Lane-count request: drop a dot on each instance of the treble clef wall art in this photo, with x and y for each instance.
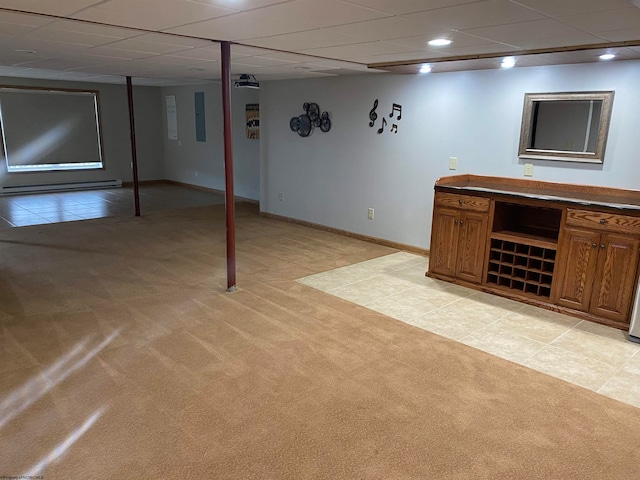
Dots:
(372, 114)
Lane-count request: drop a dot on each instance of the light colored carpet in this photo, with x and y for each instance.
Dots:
(123, 357)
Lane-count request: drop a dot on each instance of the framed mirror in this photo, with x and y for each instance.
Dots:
(569, 126)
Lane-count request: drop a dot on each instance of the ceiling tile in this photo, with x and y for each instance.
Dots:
(522, 34)
(57, 63)
(256, 23)
(52, 7)
(206, 54)
(93, 29)
(475, 15)
(555, 8)
(459, 39)
(621, 35)
(317, 38)
(110, 52)
(623, 19)
(260, 61)
(480, 49)
(359, 50)
(326, 13)
(23, 19)
(241, 5)
(152, 14)
(399, 7)
(384, 29)
(74, 38)
(142, 45)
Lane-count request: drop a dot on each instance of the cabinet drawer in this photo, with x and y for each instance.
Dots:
(609, 222)
(462, 202)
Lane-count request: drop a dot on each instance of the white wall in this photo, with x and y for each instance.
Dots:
(115, 134)
(332, 178)
(202, 163)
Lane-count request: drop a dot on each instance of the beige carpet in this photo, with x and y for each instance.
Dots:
(122, 357)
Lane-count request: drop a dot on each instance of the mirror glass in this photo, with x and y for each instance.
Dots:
(569, 126)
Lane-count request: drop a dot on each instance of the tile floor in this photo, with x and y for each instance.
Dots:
(37, 209)
(593, 356)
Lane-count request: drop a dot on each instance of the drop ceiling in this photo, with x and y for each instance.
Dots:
(167, 42)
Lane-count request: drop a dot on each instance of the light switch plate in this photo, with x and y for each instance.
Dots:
(453, 163)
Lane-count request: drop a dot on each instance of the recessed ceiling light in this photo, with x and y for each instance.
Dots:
(607, 56)
(508, 62)
(440, 42)
(425, 68)
(30, 52)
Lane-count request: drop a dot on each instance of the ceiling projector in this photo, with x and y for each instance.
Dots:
(246, 81)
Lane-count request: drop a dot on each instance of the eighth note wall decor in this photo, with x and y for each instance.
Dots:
(373, 116)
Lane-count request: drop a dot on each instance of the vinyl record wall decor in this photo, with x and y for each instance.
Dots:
(311, 118)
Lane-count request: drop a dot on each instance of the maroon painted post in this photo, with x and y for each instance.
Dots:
(134, 156)
(225, 48)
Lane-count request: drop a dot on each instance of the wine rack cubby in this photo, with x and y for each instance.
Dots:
(520, 266)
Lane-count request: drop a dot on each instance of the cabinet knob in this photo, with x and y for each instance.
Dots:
(455, 221)
(461, 222)
(460, 202)
(594, 245)
(603, 221)
(602, 245)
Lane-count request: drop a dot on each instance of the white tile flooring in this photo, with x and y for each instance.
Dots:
(593, 356)
(38, 209)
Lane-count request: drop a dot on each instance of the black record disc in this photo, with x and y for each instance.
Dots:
(325, 124)
(313, 111)
(304, 125)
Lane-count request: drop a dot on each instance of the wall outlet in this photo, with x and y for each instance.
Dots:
(370, 214)
(453, 163)
(281, 197)
(528, 169)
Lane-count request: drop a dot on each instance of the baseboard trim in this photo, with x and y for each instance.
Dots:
(191, 186)
(346, 233)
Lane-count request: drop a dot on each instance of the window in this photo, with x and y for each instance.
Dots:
(48, 129)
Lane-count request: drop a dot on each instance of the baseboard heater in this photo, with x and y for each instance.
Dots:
(59, 187)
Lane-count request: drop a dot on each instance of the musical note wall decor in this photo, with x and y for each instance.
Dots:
(373, 116)
(304, 124)
(381, 129)
(396, 109)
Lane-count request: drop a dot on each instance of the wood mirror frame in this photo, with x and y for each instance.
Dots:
(594, 126)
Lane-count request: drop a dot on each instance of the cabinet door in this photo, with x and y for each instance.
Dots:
(614, 276)
(444, 241)
(576, 268)
(471, 246)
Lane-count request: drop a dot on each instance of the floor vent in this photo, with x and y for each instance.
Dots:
(59, 187)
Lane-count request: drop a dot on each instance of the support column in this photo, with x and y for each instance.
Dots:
(225, 48)
(134, 156)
